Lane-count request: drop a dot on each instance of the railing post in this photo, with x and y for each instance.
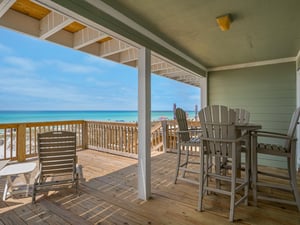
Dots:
(85, 135)
(165, 134)
(21, 142)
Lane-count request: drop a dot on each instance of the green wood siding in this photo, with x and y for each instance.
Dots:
(267, 92)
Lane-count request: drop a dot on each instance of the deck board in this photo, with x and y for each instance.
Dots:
(108, 195)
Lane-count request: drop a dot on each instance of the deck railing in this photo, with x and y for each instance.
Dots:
(113, 137)
(18, 141)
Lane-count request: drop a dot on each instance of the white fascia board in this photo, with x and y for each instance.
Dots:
(253, 64)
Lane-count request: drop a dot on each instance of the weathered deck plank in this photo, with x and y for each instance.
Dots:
(109, 196)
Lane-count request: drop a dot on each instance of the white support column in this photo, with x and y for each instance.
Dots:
(203, 86)
(144, 123)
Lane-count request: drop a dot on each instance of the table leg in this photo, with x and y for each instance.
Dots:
(27, 179)
(8, 185)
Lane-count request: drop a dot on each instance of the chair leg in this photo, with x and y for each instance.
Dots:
(293, 182)
(233, 184)
(33, 193)
(247, 173)
(178, 162)
(201, 179)
(218, 170)
(187, 154)
(77, 183)
(254, 168)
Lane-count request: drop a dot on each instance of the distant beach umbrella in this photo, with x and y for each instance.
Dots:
(174, 111)
(196, 112)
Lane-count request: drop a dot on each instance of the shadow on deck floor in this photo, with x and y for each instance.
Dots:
(109, 196)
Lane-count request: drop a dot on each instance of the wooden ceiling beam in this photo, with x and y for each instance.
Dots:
(53, 23)
(163, 66)
(170, 70)
(129, 55)
(5, 6)
(113, 46)
(87, 36)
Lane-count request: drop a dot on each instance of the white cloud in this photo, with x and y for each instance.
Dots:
(100, 83)
(21, 63)
(72, 67)
(5, 49)
(100, 61)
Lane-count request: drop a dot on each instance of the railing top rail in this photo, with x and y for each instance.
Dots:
(127, 124)
(46, 123)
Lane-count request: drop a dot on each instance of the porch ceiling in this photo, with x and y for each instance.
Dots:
(261, 30)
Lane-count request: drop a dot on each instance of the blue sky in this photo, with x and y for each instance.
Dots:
(39, 75)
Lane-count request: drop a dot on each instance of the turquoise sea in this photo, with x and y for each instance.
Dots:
(113, 116)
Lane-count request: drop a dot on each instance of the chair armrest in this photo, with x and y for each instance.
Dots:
(37, 176)
(223, 140)
(188, 131)
(271, 135)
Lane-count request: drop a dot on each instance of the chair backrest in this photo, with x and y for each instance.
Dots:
(218, 128)
(242, 116)
(57, 153)
(292, 128)
(182, 124)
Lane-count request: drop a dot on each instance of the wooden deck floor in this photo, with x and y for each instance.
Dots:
(109, 196)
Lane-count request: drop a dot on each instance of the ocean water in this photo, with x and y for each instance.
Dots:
(113, 116)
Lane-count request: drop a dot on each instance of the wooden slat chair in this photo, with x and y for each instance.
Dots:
(186, 140)
(287, 151)
(242, 117)
(220, 139)
(57, 161)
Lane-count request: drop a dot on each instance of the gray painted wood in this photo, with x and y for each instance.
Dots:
(267, 92)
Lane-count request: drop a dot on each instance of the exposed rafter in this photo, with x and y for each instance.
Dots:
(5, 6)
(87, 36)
(129, 55)
(53, 23)
(162, 66)
(113, 46)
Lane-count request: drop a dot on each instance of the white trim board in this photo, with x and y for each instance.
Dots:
(252, 64)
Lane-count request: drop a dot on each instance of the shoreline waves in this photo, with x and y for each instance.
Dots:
(110, 116)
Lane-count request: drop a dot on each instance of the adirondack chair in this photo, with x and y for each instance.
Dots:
(186, 140)
(288, 152)
(57, 161)
(242, 116)
(220, 139)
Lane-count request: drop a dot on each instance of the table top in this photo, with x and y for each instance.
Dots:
(17, 168)
(3, 163)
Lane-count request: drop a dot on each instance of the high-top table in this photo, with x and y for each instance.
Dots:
(247, 128)
(15, 169)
